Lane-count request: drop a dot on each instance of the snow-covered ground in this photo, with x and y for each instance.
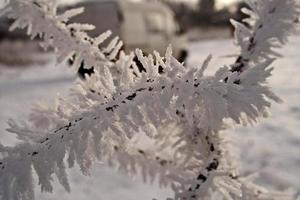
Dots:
(271, 148)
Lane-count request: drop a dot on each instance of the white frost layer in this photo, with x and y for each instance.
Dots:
(19, 89)
(272, 148)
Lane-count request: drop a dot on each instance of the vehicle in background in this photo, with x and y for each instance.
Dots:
(148, 26)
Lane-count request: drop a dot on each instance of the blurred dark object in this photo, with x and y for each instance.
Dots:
(207, 10)
(205, 16)
(209, 15)
(18, 34)
(183, 14)
(83, 72)
(103, 15)
(21, 53)
(16, 48)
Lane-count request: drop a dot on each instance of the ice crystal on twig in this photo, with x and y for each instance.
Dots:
(177, 111)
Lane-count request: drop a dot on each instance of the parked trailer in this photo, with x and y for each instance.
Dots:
(146, 25)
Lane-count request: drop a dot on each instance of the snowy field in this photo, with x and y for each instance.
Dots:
(271, 148)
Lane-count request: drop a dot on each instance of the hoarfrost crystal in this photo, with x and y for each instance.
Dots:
(180, 112)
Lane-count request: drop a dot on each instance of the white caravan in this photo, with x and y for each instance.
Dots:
(145, 25)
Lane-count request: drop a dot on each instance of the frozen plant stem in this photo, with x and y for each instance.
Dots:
(177, 109)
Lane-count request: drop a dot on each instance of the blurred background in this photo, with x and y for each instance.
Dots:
(149, 25)
(195, 28)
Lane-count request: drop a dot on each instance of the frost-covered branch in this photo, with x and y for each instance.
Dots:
(179, 111)
(41, 19)
(268, 28)
(81, 138)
